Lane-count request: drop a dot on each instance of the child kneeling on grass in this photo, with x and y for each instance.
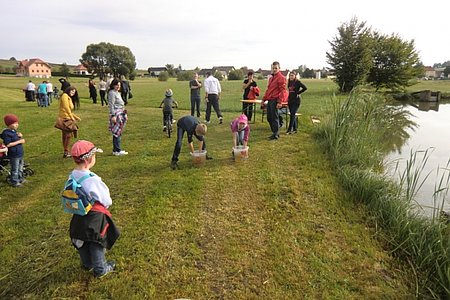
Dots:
(240, 130)
(91, 234)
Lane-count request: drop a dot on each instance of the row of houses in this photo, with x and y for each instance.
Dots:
(223, 70)
(36, 67)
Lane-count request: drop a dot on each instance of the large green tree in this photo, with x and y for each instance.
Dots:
(350, 54)
(104, 58)
(395, 62)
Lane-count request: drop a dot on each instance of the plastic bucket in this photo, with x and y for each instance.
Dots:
(198, 157)
(240, 153)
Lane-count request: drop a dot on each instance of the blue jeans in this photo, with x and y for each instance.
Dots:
(16, 170)
(43, 100)
(239, 138)
(116, 144)
(92, 256)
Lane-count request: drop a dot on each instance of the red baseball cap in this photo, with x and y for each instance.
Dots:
(10, 119)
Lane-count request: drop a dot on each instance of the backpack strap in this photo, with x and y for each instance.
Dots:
(77, 183)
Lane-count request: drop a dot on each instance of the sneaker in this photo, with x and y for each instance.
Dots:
(110, 266)
(120, 153)
(220, 120)
(67, 155)
(174, 165)
(17, 185)
(207, 122)
(273, 137)
(289, 132)
(164, 128)
(208, 157)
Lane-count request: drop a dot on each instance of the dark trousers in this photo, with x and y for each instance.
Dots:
(247, 109)
(213, 100)
(273, 117)
(102, 97)
(177, 150)
(167, 115)
(293, 108)
(124, 96)
(195, 106)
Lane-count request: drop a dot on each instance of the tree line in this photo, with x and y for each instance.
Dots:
(360, 55)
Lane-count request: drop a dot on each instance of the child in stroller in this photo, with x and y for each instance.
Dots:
(4, 162)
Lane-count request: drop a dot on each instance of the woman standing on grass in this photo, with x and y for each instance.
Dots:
(117, 116)
(295, 87)
(67, 119)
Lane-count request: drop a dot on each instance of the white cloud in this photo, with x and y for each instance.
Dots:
(206, 33)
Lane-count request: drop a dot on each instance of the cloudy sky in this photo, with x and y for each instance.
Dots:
(211, 33)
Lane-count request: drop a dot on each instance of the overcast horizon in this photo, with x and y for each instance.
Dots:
(205, 34)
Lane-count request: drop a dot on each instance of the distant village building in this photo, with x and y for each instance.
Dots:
(202, 72)
(81, 70)
(224, 70)
(155, 71)
(34, 67)
(430, 72)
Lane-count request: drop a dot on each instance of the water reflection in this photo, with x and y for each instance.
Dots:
(432, 133)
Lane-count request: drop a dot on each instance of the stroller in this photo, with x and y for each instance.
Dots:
(4, 162)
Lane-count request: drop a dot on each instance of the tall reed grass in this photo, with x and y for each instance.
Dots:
(356, 136)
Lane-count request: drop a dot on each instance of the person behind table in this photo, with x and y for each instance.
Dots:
(117, 117)
(192, 127)
(168, 103)
(247, 86)
(274, 96)
(240, 130)
(91, 234)
(295, 88)
(13, 140)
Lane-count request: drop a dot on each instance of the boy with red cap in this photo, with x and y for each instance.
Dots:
(13, 140)
(92, 233)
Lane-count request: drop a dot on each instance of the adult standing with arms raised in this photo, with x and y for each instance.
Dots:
(248, 84)
(67, 119)
(212, 90)
(195, 86)
(117, 116)
(295, 87)
(274, 96)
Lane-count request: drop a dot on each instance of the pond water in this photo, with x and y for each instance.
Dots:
(432, 133)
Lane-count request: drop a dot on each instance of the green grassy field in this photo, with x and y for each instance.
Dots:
(277, 226)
